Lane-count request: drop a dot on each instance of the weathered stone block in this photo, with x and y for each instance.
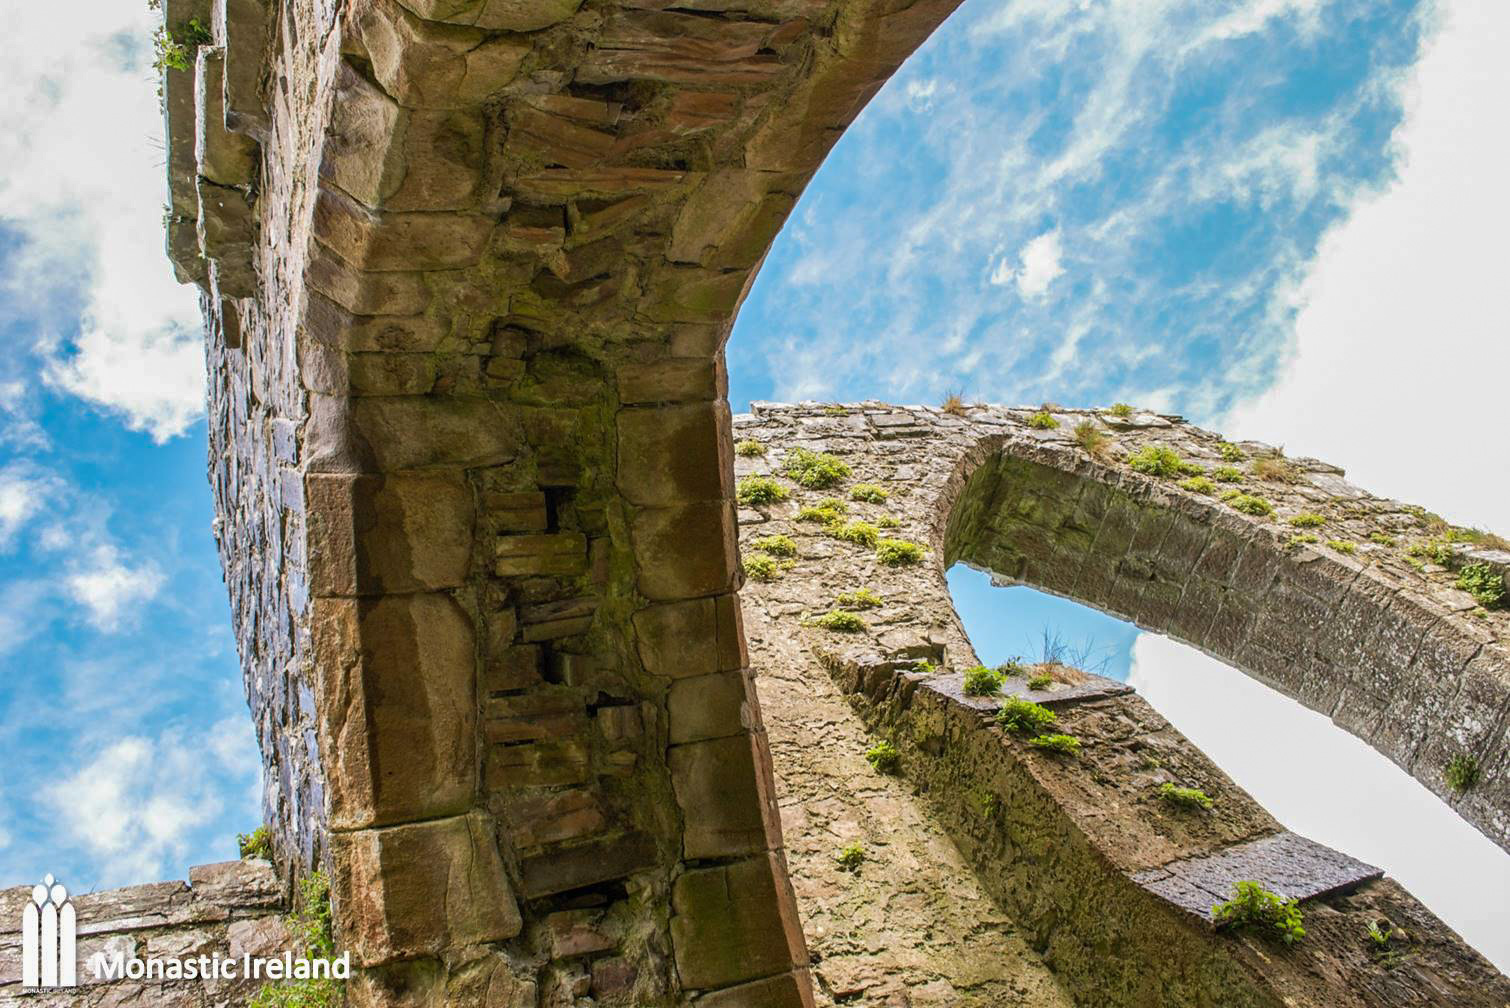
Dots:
(710, 706)
(554, 553)
(415, 890)
(225, 158)
(675, 380)
(404, 532)
(560, 869)
(679, 638)
(380, 241)
(722, 803)
(675, 454)
(789, 990)
(425, 64)
(685, 551)
(733, 923)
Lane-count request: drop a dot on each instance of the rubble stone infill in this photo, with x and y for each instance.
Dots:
(1109, 884)
(233, 909)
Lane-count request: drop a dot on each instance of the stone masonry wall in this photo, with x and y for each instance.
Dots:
(1109, 885)
(230, 909)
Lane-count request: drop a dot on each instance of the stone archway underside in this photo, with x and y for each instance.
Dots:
(468, 268)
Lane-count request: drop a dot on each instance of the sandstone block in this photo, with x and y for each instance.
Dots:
(716, 784)
(676, 380)
(675, 454)
(685, 551)
(710, 706)
(225, 158)
(730, 924)
(556, 553)
(679, 638)
(371, 535)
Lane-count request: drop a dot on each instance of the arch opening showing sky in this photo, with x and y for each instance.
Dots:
(1315, 778)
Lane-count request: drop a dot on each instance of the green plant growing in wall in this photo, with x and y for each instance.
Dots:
(749, 448)
(1381, 538)
(1484, 583)
(256, 844)
(869, 493)
(1343, 546)
(1025, 716)
(1090, 436)
(814, 470)
(1303, 539)
(761, 566)
(1230, 452)
(1040, 681)
(1275, 469)
(311, 927)
(173, 48)
(1043, 420)
(1227, 474)
(860, 598)
(1012, 667)
(898, 552)
(1249, 504)
(834, 409)
(1307, 519)
(861, 533)
(839, 621)
(776, 545)
(925, 667)
(1437, 549)
(1254, 907)
(1058, 743)
(827, 511)
(1461, 773)
(851, 856)
(1121, 409)
(884, 758)
(982, 681)
(1198, 484)
(1379, 932)
(1185, 797)
(756, 490)
(888, 522)
(986, 802)
(1161, 460)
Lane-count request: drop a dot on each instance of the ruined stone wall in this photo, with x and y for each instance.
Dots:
(229, 909)
(1108, 884)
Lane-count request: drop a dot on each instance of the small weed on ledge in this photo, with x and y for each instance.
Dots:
(761, 566)
(834, 409)
(1231, 453)
(1302, 539)
(1253, 906)
(925, 667)
(1275, 469)
(1058, 743)
(898, 552)
(1043, 420)
(1307, 519)
(1025, 716)
(888, 522)
(1381, 538)
(982, 681)
(256, 844)
(839, 621)
(953, 404)
(869, 493)
(1091, 437)
(1198, 484)
(1484, 583)
(1121, 409)
(1342, 546)
(1462, 773)
(828, 511)
(859, 532)
(310, 924)
(755, 490)
(815, 470)
(749, 448)
(776, 545)
(860, 598)
(1249, 504)
(1227, 474)
(1185, 797)
(1012, 667)
(851, 857)
(884, 758)
(1040, 681)
(1161, 460)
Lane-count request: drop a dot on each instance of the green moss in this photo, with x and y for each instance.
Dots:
(827, 511)
(755, 490)
(1187, 797)
(1043, 420)
(1485, 583)
(1198, 484)
(1161, 460)
(925, 667)
(884, 758)
(1230, 452)
(310, 926)
(839, 621)
(1254, 907)
(1307, 519)
(1090, 436)
(1249, 504)
(1461, 773)
(1040, 681)
(1437, 549)
(860, 598)
(869, 492)
(761, 566)
(898, 552)
(982, 681)
(776, 545)
(749, 448)
(814, 470)
(861, 532)
(851, 857)
(1381, 538)
(834, 409)
(888, 522)
(1058, 743)
(1303, 539)
(256, 844)
(1342, 546)
(1227, 474)
(1025, 716)
(1121, 409)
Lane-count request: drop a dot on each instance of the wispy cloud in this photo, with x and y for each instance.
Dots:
(110, 589)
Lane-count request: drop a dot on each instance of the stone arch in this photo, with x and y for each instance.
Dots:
(1401, 666)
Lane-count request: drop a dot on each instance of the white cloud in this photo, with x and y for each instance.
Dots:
(4, 839)
(91, 228)
(1402, 343)
(21, 496)
(1326, 784)
(136, 803)
(1041, 265)
(108, 588)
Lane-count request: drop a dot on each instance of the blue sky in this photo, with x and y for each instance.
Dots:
(1283, 218)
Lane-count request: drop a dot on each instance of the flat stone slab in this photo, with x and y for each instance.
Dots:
(952, 685)
(1287, 863)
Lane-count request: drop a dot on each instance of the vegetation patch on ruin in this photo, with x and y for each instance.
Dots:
(1485, 583)
(1461, 773)
(814, 470)
(1307, 519)
(884, 758)
(862, 533)
(256, 844)
(870, 493)
(898, 552)
(756, 490)
(1058, 743)
(1249, 504)
(860, 598)
(311, 927)
(1025, 716)
(1043, 420)
(1184, 797)
(839, 621)
(851, 856)
(1161, 460)
(749, 448)
(982, 681)
(776, 545)
(1255, 908)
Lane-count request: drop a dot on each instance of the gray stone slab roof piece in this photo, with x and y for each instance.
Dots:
(1289, 864)
(952, 685)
